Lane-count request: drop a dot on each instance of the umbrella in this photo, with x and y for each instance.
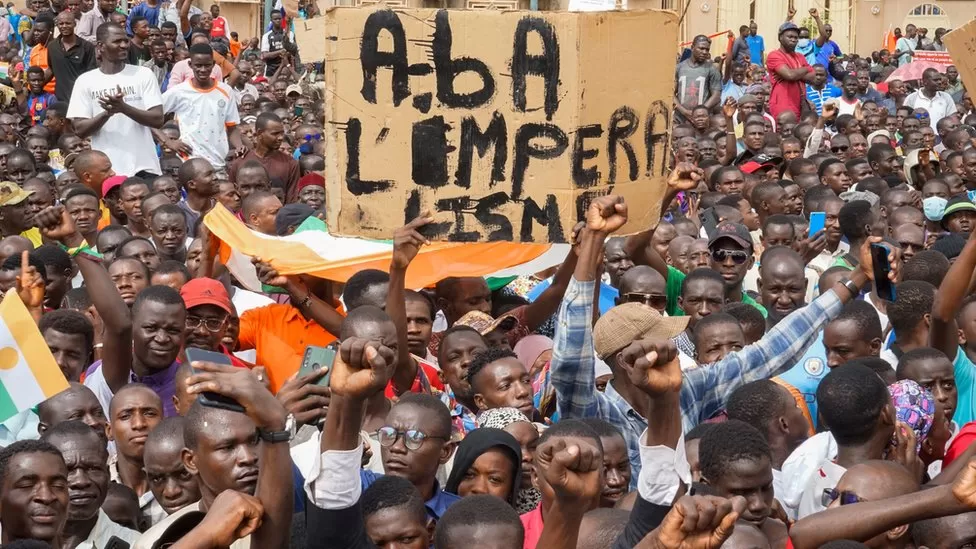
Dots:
(914, 70)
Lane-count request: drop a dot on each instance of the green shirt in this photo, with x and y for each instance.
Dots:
(673, 289)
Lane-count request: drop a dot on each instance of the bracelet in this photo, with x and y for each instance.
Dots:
(851, 287)
(305, 302)
(82, 249)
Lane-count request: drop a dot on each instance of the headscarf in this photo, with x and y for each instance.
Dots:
(915, 406)
(499, 418)
(530, 348)
(476, 443)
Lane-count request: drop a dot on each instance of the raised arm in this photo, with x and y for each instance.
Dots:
(864, 520)
(821, 33)
(574, 472)
(546, 305)
(572, 364)
(57, 225)
(943, 334)
(407, 241)
(275, 487)
(706, 390)
(310, 305)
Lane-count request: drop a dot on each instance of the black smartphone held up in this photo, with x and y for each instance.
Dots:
(214, 400)
(317, 357)
(879, 261)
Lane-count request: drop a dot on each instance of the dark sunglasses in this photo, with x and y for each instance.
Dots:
(841, 148)
(738, 256)
(846, 498)
(655, 301)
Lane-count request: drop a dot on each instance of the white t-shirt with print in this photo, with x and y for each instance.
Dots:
(128, 144)
(204, 116)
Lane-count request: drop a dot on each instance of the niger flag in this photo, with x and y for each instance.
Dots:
(28, 373)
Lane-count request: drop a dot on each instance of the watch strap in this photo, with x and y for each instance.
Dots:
(851, 287)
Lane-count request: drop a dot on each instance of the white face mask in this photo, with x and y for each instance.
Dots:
(934, 207)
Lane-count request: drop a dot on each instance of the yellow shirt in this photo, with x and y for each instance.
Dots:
(34, 235)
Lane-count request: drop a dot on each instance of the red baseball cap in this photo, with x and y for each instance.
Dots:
(206, 291)
(111, 183)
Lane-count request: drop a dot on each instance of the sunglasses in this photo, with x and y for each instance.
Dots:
(413, 439)
(655, 301)
(738, 256)
(846, 498)
(922, 116)
(313, 137)
(841, 148)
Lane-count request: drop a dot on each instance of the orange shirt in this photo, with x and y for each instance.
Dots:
(235, 48)
(279, 334)
(38, 58)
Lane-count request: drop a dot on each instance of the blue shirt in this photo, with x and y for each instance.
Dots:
(807, 374)
(145, 10)
(704, 391)
(733, 90)
(817, 97)
(965, 372)
(823, 56)
(437, 504)
(608, 294)
(756, 49)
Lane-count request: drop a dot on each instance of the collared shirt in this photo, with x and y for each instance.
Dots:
(22, 426)
(148, 506)
(939, 106)
(105, 529)
(89, 23)
(38, 58)
(279, 334)
(163, 382)
(704, 391)
(436, 506)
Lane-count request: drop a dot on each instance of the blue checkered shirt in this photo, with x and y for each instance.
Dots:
(705, 390)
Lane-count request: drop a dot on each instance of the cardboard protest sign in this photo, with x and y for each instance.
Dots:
(505, 125)
(961, 44)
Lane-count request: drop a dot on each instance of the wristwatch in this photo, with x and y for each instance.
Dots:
(280, 436)
(851, 287)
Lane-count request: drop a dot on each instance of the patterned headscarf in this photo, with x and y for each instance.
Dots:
(915, 406)
(527, 499)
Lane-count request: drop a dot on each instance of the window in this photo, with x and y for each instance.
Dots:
(927, 9)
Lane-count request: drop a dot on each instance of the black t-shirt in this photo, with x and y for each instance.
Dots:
(276, 42)
(68, 65)
(138, 54)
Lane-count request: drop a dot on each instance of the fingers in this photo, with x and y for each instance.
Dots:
(24, 264)
(204, 366)
(708, 509)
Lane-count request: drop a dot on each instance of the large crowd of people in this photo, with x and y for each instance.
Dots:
(785, 359)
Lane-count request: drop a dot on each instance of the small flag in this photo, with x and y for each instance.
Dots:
(28, 373)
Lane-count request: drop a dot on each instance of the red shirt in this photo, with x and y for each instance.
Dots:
(428, 381)
(219, 28)
(960, 443)
(786, 95)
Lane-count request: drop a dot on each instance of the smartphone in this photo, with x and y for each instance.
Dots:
(214, 400)
(317, 357)
(879, 260)
(709, 221)
(818, 221)
(115, 542)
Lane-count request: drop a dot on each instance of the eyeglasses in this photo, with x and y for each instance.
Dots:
(841, 148)
(212, 324)
(738, 256)
(922, 116)
(413, 439)
(845, 497)
(656, 301)
(313, 137)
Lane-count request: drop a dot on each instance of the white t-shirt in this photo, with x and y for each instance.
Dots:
(128, 144)
(204, 116)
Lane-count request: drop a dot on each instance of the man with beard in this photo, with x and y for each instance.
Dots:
(141, 347)
(33, 492)
(88, 480)
(229, 450)
(135, 411)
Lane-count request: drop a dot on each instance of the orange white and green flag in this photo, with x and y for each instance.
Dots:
(28, 373)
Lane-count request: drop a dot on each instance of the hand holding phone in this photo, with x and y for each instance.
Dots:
(818, 221)
(214, 400)
(883, 285)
